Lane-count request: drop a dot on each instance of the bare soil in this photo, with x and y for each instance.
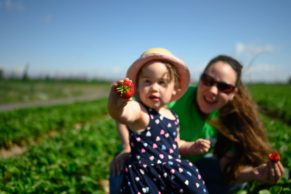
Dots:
(18, 149)
(12, 106)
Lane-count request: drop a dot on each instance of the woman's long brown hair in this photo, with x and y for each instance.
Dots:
(239, 127)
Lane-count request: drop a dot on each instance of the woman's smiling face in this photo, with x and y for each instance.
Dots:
(218, 88)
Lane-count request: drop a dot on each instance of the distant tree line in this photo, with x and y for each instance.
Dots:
(25, 77)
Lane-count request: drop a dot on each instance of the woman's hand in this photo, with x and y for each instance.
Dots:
(269, 172)
(117, 165)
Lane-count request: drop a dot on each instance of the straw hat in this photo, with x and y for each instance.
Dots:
(162, 54)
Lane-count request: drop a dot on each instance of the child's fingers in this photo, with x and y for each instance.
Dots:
(204, 142)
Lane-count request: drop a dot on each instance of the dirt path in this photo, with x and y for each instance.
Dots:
(16, 149)
(12, 106)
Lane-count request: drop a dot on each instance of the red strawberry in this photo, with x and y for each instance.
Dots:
(274, 156)
(125, 89)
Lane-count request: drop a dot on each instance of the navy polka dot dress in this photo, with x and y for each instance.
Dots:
(155, 165)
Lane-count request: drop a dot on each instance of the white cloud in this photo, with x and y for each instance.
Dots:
(248, 53)
(251, 50)
(265, 72)
(12, 5)
(263, 67)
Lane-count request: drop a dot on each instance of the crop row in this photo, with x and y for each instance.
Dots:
(75, 161)
(279, 138)
(274, 99)
(26, 125)
(12, 91)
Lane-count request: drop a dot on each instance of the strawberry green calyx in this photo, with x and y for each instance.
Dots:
(125, 89)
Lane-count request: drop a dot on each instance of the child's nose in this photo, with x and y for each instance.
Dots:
(154, 86)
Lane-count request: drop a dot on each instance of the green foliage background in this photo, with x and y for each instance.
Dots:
(68, 147)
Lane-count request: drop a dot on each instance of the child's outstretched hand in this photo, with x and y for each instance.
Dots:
(199, 146)
(119, 99)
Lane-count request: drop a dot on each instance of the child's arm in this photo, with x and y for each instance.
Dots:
(199, 146)
(119, 161)
(124, 109)
(124, 136)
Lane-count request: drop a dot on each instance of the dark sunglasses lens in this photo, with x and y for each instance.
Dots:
(226, 88)
(223, 87)
(207, 80)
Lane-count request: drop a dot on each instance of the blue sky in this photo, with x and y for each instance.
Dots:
(101, 38)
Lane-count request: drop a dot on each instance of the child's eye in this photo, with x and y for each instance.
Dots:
(162, 82)
(147, 81)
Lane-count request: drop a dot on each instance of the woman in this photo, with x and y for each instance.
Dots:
(221, 110)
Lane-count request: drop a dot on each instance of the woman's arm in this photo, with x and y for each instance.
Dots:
(269, 172)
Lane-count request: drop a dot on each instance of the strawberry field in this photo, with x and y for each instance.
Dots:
(67, 148)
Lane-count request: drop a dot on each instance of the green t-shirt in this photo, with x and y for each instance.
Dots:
(192, 124)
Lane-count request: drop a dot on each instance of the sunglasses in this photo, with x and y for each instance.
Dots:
(221, 86)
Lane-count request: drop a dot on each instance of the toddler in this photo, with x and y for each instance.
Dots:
(155, 165)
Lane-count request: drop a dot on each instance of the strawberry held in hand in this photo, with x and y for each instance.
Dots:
(274, 156)
(125, 89)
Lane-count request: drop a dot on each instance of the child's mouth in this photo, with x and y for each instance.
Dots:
(154, 98)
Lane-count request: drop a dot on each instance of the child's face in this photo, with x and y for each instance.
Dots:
(155, 88)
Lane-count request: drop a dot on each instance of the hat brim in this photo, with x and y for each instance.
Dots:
(180, 66)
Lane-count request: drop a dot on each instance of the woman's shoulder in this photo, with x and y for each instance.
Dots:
(189, 94)
(191, 89)
(187, 98)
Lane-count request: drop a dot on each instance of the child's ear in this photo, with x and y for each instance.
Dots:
(175, 91)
